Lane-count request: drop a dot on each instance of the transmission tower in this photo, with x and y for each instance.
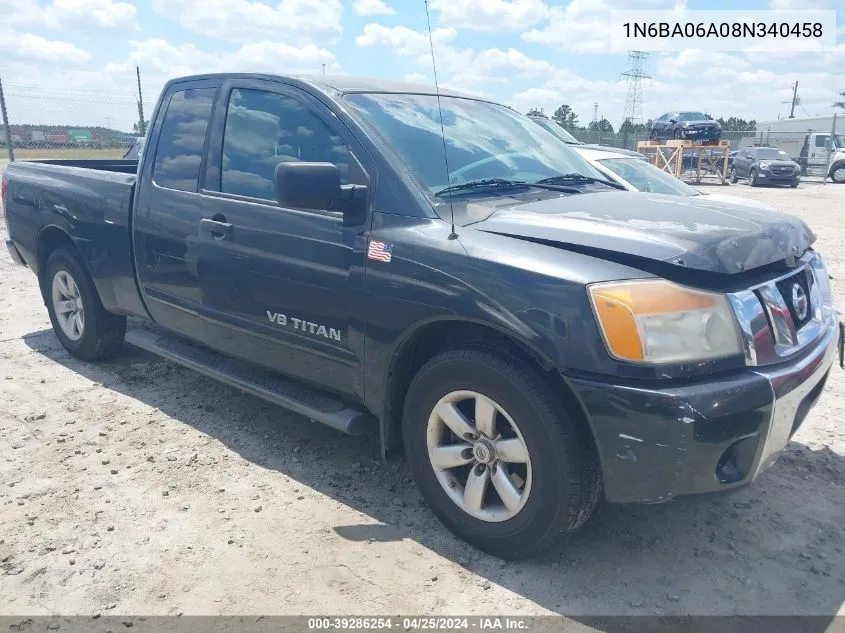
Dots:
(634, 76)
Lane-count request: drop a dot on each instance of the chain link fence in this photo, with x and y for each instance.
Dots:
(46, 123)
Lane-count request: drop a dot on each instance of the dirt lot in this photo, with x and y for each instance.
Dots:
(138, 487)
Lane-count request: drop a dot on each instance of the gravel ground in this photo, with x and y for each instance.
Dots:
(138, 487)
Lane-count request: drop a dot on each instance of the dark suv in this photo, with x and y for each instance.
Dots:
(765, 165)
(686, 125)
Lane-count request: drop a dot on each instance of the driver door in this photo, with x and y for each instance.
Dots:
(277, 282)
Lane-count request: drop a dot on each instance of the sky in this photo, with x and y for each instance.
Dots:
(73, 61)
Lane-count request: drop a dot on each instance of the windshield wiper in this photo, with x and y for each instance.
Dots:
(503, 183)
(575, 177)
(480, 184)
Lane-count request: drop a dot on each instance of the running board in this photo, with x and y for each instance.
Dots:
(289, 394)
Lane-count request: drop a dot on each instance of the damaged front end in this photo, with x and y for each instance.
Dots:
(658, 440)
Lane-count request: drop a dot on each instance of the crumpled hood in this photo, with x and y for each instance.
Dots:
(699, 234)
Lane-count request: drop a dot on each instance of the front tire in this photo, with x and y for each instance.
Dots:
(752, 178)
(678, 135)
(495, 453)
(837, 174)
(81, 323)
(734, 177)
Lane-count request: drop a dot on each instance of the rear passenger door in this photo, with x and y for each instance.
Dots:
(276, 283)
(169, 208)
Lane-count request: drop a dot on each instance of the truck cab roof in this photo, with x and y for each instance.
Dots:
(337, 84)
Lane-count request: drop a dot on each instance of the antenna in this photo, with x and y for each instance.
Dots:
(452, 235)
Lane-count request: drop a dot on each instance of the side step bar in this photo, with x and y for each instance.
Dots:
(302, 399)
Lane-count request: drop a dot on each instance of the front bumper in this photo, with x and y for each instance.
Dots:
(769, 177)
(658, 443)
(707, 134)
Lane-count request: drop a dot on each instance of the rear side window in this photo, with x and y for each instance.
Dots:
(264, 129)
(180, 145)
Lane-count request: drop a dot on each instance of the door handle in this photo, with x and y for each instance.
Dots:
(218, 229)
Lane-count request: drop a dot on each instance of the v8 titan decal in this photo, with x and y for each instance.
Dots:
(304, 326)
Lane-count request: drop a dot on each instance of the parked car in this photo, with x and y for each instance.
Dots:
(566, 137)
(686, 125)
(638, 175)
(765, 166)
(530, 336)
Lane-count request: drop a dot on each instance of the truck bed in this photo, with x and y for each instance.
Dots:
(87, 199)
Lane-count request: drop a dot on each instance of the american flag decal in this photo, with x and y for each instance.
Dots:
(380, 251)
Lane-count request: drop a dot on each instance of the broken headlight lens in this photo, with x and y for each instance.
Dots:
(657, 321)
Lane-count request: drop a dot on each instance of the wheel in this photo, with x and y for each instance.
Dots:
(734, 177)
(837, 174)
(794, 185)
(495, 453)
(651, 135)
(752, 178)
(678, 134)
(79, 320)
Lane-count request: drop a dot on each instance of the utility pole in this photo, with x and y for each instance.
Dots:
(142, 126)
(324, 69)
(634, 100)
(595, 112)
(794, 100)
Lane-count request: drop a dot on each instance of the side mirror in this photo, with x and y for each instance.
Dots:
(307, 185)
(317, 186)
(673, 120)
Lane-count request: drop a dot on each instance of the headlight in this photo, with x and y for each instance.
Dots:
(797, 168)
(657, 321)
(764, 165)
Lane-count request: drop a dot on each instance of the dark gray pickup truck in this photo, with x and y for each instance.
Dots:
(530, 337)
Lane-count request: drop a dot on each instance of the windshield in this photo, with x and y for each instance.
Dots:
(691, 116)
(839, 139)
(557, 130)
(483, 140)
(646, 177)
(772, 154)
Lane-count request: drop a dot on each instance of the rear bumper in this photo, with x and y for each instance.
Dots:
(658, 443)
(15, 253)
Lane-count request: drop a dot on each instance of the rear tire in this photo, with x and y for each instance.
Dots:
(552, 491)
(81, 323)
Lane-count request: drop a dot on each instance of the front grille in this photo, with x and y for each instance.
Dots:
(781, 317)
(797, 289)
(782, 171)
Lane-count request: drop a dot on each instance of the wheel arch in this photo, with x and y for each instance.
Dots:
(49, 239)
(837, 165)
(428, 339)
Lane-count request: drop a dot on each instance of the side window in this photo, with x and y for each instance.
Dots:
(264, 129)
(821, 139)
(180, 145)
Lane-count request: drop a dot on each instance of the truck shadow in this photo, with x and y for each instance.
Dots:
(776, 548)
